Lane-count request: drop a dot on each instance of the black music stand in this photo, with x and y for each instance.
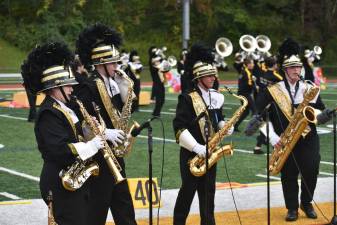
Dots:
(334, 217)
(150, 149)
(268, 172)
(207, 125)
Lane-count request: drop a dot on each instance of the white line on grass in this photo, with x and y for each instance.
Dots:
(16, 173)
(1, 146)
(8, 195)
(265, 176)
(325, 173)
(12, 117)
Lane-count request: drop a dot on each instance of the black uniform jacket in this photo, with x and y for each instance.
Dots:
(186, 118)
(54, 133)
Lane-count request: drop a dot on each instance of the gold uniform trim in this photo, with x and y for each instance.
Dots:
(68, 117)
(199, 107)
(284, 103)
(106, 47)
(96, 56)
(249, 75)
(276, 74)
(73, 149)
(53, 69)
(178, 134)
(58, 75)
(109, 108)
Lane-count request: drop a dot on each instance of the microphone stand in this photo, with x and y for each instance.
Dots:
(150, 149)
(268, 172)
(206, 175)
(334, 217)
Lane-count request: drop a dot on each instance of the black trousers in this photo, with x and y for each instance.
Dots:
(105, 194)
(160, 98)
(69, 207)
(261, 140)
(251, 107)
(306, 156)
(190, 185)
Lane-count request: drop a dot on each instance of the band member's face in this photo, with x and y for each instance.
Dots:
(250, 65)
(293, 73)
(111, 67)
(56, 93)
(207, 82)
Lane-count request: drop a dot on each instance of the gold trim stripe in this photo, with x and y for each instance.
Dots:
(101, 55)
(106, 47)
(58, 75)
(53, 69)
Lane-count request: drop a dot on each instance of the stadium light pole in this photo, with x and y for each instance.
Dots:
(186, 23)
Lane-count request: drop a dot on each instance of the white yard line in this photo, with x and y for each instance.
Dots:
(265, 176)
(12, 117)
(325, 173)
(16, 173)
(8, 195)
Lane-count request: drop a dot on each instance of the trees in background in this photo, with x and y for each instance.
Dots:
(158, 22)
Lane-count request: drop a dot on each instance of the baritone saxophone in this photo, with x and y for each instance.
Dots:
(198, 164)
(303, 115)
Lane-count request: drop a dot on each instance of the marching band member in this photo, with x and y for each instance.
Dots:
(133, 70)
(267, 78)
(190, 135)
(57, 130)
(246, 85)
(285, 96)
(97, 48)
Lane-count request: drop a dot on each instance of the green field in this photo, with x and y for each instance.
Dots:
(20, 151)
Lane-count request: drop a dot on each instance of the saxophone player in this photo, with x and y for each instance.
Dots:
(285, 96)
(191, 136)
(97, 48)
(57, 130)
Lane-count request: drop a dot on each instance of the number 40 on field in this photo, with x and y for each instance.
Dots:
(139, 189)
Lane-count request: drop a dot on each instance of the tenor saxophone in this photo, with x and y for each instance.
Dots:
(108, 155)
(198, 164)
(123, 123)
(303, 115)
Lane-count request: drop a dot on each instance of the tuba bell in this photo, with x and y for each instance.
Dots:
(223, 47)
(263, 43)
(248, 43)
(172, 61)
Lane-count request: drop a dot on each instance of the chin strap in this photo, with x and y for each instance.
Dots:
(64, 95)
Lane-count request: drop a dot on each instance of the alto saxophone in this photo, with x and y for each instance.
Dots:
(123, 122)
(198, 164)
(108, 155)
(51, 219)
(303, 115)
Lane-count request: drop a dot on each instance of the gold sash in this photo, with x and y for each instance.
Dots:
(199, 107)
(109, 108)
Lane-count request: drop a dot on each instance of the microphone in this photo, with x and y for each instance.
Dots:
(325, 116)
(136, 131)
(255, 123)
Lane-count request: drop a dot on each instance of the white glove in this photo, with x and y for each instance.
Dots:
(115, 136)
(274, 139)
(87, 150)
(200, 150)
(222, 123)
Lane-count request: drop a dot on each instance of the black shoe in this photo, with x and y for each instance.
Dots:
(309, 211)
(258, 151)
(292, 215)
